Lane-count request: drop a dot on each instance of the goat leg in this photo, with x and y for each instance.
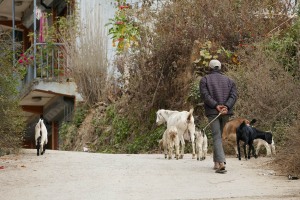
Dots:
(245, 151)
(170, 149)
(44, 149)
(38, 146)
(165, 150)
(238, 149)
(199, 151)
(182, 149)
(249, 151)
(204, 154)
(253, 151)
(193, 147)
(177, 149)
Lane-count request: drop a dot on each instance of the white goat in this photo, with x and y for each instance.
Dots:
(270, 148)
(169, 140)
(201, 145)
(183, 121)
(41, 137)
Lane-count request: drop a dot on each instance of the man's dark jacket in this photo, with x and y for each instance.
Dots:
(217, 89)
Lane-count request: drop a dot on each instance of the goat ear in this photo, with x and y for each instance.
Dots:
(189, 117)
(253, 122)
(243, 124)
(191, 110)
(158, 113)
(270, 136)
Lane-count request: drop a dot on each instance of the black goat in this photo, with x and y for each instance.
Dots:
(247, 134)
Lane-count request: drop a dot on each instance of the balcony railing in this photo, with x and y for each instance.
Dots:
(51, 63)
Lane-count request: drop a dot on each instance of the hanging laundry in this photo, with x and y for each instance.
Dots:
(38, 13)
(43, 27)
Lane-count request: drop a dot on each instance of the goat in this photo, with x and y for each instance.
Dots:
(201, 145)
(247, 134)
(261, 142)
(183, 121)
(41, 137)
(169, 140)
(229, 136)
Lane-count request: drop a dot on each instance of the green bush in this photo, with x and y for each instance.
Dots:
(12, 122)
(194, 93)
(68, 133)
(121, 129)
(286, 47)
(79, 115)
(146, 142)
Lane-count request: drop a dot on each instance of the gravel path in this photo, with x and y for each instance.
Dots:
(62, 175)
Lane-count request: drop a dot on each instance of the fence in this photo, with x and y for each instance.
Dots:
(50, 59)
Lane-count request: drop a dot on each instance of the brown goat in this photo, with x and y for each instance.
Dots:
(229, 131)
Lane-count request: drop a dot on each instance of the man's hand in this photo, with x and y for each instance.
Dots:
(222, 109)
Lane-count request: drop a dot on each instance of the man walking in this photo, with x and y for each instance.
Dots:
(219, 95)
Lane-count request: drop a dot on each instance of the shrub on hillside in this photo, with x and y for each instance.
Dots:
(263, 87)
(12, 121)
(159, 72)
(160, 68)
(289, 152)
(270, 94)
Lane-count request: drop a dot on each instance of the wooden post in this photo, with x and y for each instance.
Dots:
(54, 135)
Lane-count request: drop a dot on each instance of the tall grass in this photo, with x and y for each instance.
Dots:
(87, 53)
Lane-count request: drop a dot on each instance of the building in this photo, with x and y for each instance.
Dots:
(47, 89)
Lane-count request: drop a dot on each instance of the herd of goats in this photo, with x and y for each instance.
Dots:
(180, 125)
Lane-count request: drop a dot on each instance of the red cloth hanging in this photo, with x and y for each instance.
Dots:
(43, 28)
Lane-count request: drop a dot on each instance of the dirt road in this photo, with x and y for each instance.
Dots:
(61, 175)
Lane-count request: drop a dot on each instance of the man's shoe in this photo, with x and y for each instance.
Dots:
(221, 169)
(221, 166)
(216, 166)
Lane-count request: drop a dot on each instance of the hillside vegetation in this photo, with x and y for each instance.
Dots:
(12, 123)
(256, 41)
